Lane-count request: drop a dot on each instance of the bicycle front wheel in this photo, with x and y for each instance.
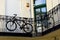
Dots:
(11, 26)
(28, 28)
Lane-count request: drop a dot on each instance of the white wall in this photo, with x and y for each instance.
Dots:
(2, 12)
(56, 14)
(2, 7)
(10, 7)
(25, 11)
(51, 3)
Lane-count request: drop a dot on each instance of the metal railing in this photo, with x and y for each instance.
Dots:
(46, 22)
(4, 19)
(43, 22)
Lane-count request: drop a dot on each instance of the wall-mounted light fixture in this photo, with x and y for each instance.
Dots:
(27, 5)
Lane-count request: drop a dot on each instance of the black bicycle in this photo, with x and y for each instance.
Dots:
(13, 22)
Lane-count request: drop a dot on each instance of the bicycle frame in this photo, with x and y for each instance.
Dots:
(16, 21)
(21, 26)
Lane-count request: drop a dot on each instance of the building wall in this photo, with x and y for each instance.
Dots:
(51, 3)
(28, 11)
(9, 7)
(53, 9)
(2, 7)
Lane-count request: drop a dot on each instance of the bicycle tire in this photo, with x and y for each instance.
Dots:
(31, 27)
(10, 26)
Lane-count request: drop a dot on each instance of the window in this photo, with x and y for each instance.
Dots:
(37, 2)
(43, 9)
(37, 10)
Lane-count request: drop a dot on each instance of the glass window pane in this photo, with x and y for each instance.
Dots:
(37, 10)
(37, 2)
(44, 9)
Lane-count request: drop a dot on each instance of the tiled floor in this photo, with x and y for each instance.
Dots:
(51, 36)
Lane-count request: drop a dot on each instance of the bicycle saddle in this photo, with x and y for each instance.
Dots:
(15, 14)
(25, 18)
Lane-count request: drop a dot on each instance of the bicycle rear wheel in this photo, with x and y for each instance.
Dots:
(28, 28)
(11, 26)
(51, 22)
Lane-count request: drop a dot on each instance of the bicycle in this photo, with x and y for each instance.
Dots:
(11, 25)
(48, 21)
